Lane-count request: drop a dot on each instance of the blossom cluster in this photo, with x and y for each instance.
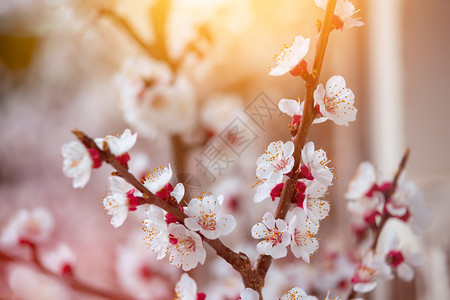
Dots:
(166, 235)
(372, 200)
(302, 222)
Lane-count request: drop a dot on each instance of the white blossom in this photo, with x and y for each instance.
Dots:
(407, 203)
(249, 294)
(77, 163)
(336, 102)
(118, 145)
(401, 258)
(275, 234)
(61, 260)
(186, 288)
(153, 101)
(362, 182)
(158, 181)
(290, 56)
(316, 162)
(366, 274)
(366, 207)
(155, 226)
(302, 230)
(297, 294)
(344, 10)
(276, 161)
(295, 108)
(186, 248)
(116, 202)
(203, 217)
(263, 190)
(32, 226)
(315, 207)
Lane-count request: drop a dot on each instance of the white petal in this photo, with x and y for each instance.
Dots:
(194, 207)
(334, 85)
(405, 272)
(289, 107)
(178, 192)
(281, 224)
(119, 217)
(268, 220)
(259, 231)
(220, 199)
(264, 248)
(288, 149)
(308, 153)
(123, 144)
(227, 224)
(319, 95)
(279, 70)
(249, 294)
(279, 251)
(364, 287)
(192, 224)
(300, 47)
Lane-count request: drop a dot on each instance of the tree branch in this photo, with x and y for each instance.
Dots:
(238, 261)
(70, 281)
(127, 27)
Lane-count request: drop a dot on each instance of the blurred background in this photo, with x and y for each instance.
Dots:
(79, 64)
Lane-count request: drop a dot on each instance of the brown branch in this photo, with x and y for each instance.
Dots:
(159, 14)
(127, 27)
(309, 112)
(238, 261)
(386, 217)
(180, 152)
(70, 281)
(308, 116)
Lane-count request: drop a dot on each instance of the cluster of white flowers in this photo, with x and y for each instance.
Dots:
(79, 160)
(182, 243)
(302, 222)
(153, 99)
(371, 199)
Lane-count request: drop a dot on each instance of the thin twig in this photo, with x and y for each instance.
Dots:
(70, 281)
(127, 27)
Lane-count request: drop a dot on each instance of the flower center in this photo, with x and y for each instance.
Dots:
(281, 164)
(275, 236)
(330, 105)
(188, 244)
(363, 274)
(306, 172)
(276, 191)
(395, 258)
(207, 222)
